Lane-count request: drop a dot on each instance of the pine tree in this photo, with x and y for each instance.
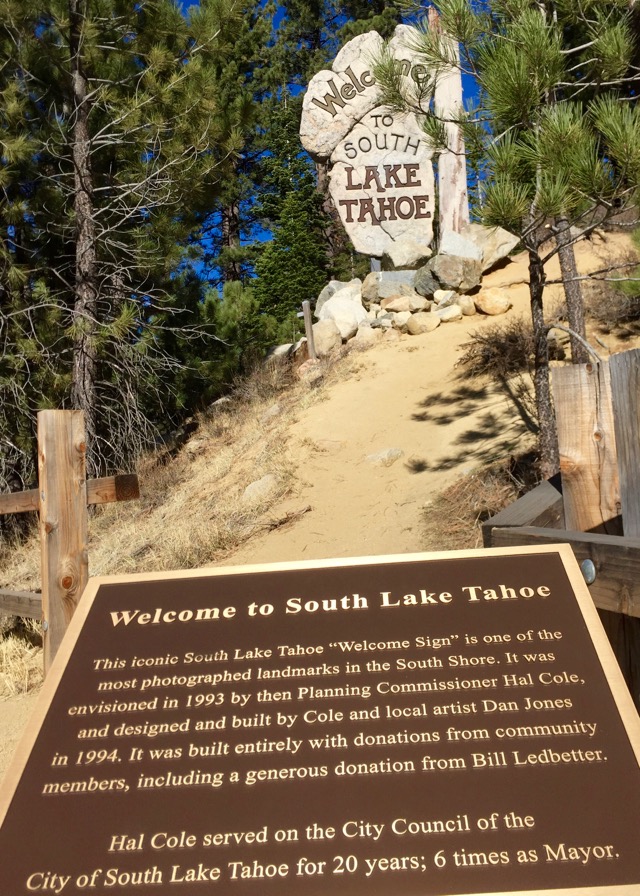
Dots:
(558, 137)
(294, 265)
(111, 120)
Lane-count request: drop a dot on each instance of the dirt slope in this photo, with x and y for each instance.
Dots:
(406, 396)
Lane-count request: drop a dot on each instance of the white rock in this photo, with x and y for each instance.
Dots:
(397, 303)
(494, 242)
(492, 300)
(418, 303)
(346, 313)
(334, 286)
(467, 305)
(383, 284)
(444, 297)
(261, 489)
(449, 313)
(401, 319)
(326, 338)
(461, 245)
(385, 458)
(366, 337)
(423, 322)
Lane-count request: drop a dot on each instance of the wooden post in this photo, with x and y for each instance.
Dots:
(625, 395)
(586, 440)
(308, 329)
(63, 521)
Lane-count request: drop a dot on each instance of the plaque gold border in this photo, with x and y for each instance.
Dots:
(608, 662)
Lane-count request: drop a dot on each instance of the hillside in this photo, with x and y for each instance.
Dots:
(333, 490)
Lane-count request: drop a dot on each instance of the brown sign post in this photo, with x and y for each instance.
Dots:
(428, 724)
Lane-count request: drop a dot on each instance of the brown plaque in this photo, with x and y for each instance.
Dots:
(423, 724)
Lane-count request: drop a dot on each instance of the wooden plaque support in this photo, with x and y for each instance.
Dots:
(61, 500)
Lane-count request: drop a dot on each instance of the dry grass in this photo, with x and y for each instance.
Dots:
(21, 664)
(452, 520)
(192, 512)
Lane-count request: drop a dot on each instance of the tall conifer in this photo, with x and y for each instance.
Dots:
(556, 130)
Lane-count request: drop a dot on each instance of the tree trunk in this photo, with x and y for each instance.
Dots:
(231, 268)
(572, 291)
(337, 240)
(547, 438)
(85, 309)
(453, 200)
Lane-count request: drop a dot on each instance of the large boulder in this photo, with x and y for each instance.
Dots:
(425, 284)
(492, 300)
(396, 303)
(456, 272)
(418, 303)
(346, 310)
(401, 319)
(488, 245)
(422, 322)
(326, 338)
(460, 244)
(366, 337)
(495, 243)
(466, 305)
(448, 313)
(384, 284)
(351, 290)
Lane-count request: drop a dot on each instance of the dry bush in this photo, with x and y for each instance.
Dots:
(264, 382)
(21, 664)
(615, 309)
(453, 518)
(499, 351)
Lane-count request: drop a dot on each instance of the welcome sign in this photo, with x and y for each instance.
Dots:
(434, 724)
(381, 173)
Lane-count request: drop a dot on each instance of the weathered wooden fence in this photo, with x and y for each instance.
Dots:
(594, 505)
(61, 500)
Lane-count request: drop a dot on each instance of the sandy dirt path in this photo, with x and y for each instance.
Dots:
(405, 395)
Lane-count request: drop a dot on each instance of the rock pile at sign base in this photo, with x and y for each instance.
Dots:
(360, 314)
(389, 303)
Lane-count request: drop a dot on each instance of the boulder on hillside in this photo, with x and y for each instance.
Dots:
(425, 284)
(405, 252)
(418, 303)
(366, 337)
(455, 272)
(422, 322)
(461, 244)
(401, 319)
(487, 245)
(495, 243)
(383, 284)
(396, 303)
(326, 338)
(492, 300)
(336, 286)
(260, 490)
(346, 311)
(444, 297)
(448, 313)
(466, 305)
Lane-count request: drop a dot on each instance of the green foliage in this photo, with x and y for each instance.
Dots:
(112, 143)
(554, 135)
(293, 266)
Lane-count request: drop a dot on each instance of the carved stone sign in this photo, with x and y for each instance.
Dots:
(436, 724)
(381, 174)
